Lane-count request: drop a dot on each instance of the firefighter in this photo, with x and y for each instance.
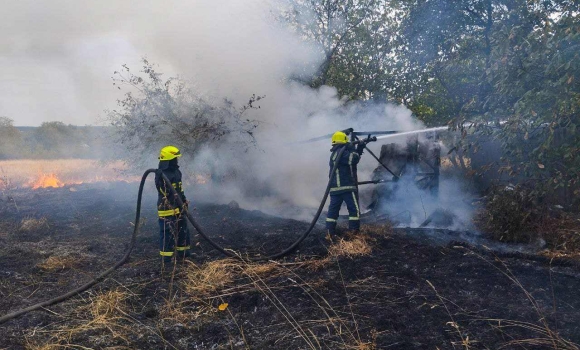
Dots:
(343, 187)
(174, 237)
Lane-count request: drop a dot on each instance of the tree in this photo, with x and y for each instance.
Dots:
(537, 92)
(509, 62)
(163, 112)
(355, 41)
(10, 139)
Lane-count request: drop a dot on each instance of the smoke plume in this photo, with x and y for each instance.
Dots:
(227, 49)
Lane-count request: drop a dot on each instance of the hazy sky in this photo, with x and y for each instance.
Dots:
(57, 57)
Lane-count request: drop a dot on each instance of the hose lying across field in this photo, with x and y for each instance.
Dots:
(100, 277)
(289, 250)
(227, 252)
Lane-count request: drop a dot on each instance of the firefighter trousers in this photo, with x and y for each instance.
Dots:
(173, 236)
(351, 200)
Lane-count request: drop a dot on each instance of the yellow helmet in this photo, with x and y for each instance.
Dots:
(169, 153)
(339, 138)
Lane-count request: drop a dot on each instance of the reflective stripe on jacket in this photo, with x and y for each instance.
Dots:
(166, 204)
(344, 179)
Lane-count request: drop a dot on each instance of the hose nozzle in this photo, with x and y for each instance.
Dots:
(366, 140)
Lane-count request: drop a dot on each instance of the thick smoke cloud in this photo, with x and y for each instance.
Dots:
(57, 58)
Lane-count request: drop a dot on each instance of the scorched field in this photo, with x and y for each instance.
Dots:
(383, 289)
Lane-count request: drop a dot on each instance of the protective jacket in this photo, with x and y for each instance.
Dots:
(345, 174)
(166, 204)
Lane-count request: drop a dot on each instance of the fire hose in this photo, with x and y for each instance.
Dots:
(225, 251)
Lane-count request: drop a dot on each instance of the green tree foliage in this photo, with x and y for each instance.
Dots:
(513, 62)
(160, 112)
(536, 75)
(355, 37)
(59, 140)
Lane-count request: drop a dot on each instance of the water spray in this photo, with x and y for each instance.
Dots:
(412, 132)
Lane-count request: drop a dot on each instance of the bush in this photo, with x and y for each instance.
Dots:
(512, 214)
(516, 214)
(169, 111)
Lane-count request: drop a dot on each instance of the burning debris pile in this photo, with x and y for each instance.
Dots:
(408, 182)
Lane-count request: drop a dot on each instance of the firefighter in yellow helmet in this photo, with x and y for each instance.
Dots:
(343, 187)
(174, 237)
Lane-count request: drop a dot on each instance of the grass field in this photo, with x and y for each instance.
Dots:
(58, 172)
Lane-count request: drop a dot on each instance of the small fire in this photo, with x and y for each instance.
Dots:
(47, 180)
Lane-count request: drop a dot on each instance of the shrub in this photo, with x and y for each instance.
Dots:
(170, 112)
(513, 214)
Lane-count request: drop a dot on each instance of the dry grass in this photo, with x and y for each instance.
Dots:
(179, 312)
(109, 306)
(562, 234)
(264, 269)
(33, 224)
(202, 281)
(364, 346)
(5, 183)
(547, 336)
(106, 311)
(351, 248)
(34, 346)
(382, 230)
(205, 281)
(56, 263)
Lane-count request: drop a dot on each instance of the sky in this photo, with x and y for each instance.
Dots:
(57, 57)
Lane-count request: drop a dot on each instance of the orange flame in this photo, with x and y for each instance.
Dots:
(47, 180)
(52, 180)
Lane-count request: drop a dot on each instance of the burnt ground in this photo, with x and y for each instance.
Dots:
(405, 294)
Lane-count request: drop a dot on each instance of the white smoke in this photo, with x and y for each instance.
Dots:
(284, 174)
(66, 51)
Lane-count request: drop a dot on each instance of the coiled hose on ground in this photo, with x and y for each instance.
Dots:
(125, 257)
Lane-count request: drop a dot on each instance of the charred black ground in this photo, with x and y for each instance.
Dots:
(405, 294)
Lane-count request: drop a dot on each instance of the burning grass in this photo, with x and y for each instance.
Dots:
(56, 173)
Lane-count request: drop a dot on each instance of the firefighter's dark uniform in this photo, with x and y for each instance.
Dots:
(343, 187)
(173, 231)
